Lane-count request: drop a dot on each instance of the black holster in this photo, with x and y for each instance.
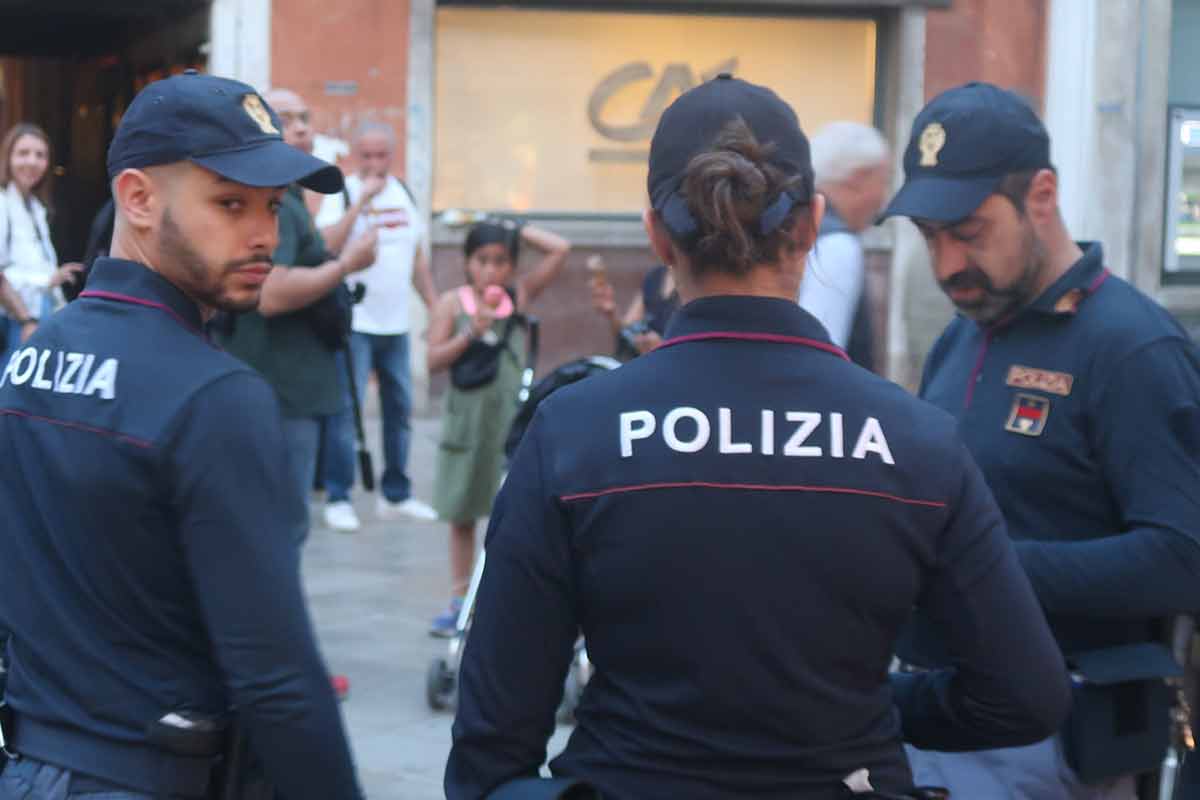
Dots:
(1120, 716)
(237, 773)
(240, 775)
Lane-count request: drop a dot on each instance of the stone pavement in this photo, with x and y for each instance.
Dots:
(372, 594)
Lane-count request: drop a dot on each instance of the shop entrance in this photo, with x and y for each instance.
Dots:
(72, 67)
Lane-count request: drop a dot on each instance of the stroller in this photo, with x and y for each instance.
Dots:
(441, 679)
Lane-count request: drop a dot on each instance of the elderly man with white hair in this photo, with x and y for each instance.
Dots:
(376, 200)
(853, 171)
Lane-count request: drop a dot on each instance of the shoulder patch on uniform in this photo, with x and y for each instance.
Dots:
(1046, 380)
(1069, 302)
(1028, 415)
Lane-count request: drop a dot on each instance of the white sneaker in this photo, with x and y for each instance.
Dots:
(341, 517)
(411, 508)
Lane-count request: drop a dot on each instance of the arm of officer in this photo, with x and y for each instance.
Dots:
(238, 513)
(522, 636)
(1009, 685)
(1147, 439)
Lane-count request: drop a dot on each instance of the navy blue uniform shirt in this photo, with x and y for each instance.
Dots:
(146, 557)
(740, 522)
(1083, 411)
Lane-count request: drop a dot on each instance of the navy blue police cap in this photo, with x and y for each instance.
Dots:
(220, 124)
(963, 144)
(690, 126)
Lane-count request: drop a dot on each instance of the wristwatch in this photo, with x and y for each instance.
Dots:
(27, 321)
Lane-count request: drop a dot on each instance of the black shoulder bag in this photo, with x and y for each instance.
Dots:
(332, 316)
(480, 362)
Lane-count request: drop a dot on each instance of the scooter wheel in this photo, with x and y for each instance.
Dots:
(439, 685)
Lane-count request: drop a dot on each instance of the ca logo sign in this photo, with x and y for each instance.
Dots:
(675, 80)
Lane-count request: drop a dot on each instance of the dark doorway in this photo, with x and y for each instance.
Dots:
(72, 66)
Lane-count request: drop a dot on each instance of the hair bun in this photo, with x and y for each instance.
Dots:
(727, 190)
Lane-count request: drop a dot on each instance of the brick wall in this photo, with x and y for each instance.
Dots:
(999, 41)
(348, 59)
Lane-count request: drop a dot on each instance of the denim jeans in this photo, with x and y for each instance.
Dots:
(388, 356)
(1034, 772)
(303, 437)
(29, 779)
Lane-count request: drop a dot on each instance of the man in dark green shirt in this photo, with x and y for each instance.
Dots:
(278, 339)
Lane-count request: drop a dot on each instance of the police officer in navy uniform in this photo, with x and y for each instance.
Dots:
(740, 522)
(1080, 399)
(149, 576)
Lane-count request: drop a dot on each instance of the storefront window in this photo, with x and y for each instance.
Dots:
(1182, 246)
(552, 111)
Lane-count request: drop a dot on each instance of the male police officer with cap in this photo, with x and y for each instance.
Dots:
(149, 576)
(1080, 399)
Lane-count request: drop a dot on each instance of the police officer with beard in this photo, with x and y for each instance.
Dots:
(740, 531)
(149, 577)
(1080, 399)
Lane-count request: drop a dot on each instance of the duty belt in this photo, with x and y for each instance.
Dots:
(138, 766)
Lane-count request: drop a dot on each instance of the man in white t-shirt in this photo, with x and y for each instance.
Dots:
(852, 168)
(380, 341)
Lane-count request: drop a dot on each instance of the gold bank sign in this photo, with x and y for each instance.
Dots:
(638, 79)
(553, 110)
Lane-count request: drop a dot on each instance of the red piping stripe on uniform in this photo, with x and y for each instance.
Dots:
(138, 301)
(62, 423)
(750, 487)
(1101, 278)
(758, 337)
(974, 379)
(987, 339)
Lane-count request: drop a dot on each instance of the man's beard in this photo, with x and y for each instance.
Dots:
(995, 303)
(203, 285)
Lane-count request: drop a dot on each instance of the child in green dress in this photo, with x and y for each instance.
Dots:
(476, 421)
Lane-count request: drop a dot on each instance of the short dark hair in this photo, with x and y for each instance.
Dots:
(1015, 185)
(492, 232)
(727, 189)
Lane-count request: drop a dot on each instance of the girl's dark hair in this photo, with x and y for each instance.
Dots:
(485, 233)
(42, 188)
(727, 190)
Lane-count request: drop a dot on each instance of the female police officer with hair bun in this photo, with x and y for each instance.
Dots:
(740, 522)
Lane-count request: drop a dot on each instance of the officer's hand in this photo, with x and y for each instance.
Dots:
(28, 329)
(67, 273)
(360, 252)
(372, 185)
(645, 342)
(602, 297)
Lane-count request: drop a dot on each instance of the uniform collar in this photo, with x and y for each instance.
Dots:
(764, 318)
(1063, 296)
(130, 282)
